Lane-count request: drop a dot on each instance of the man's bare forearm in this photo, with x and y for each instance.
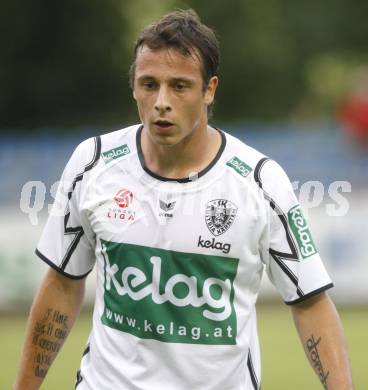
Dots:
(321, 333)
(53, 314)
(312, 348)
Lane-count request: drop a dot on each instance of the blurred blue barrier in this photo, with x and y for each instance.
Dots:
(306, 153)
(310, 153)
(34, 158)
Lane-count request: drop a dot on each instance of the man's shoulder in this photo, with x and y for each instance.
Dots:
(117, 135)
(106, 147)
(239, 154)
(246, 160)
(118, 143)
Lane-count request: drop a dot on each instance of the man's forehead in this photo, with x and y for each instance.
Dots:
(168, 57)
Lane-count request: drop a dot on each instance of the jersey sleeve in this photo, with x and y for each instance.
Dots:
(292, 262)
(67, 241)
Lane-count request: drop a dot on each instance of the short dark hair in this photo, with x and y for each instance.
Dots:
(182, 30)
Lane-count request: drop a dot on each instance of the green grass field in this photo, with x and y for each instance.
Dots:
(284, 366)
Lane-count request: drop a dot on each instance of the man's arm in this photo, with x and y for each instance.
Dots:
(322, 336)
(53, 314)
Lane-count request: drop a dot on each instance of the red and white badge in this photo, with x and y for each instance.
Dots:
(124, 198)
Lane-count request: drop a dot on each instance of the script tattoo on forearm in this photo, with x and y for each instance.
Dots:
(312, 345)
(48, 336)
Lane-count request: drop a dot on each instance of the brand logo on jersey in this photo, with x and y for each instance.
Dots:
(299, 227)
(220, 214)
(225, 248)
(239, 166)
(169, 296)
(112, 154)
(124, 198)
(166, 207)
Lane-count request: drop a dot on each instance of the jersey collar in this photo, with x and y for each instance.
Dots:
(181, 180)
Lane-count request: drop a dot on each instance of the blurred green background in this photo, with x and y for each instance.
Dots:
(66, 63)
(287, 68)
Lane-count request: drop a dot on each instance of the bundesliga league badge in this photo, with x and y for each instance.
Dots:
(220, 214)
(124, 198)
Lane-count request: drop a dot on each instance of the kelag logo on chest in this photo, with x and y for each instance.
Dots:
(169, 296)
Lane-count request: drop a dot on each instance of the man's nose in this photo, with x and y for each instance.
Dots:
(162, 103)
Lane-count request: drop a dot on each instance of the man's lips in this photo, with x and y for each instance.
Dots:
(163, 124)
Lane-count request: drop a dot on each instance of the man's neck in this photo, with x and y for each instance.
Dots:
(190, 156)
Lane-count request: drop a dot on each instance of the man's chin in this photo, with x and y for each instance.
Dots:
(164, 139)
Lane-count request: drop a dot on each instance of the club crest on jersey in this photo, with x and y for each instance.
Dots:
(220, 215)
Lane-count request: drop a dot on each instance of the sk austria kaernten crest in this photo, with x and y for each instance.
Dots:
(220, 214)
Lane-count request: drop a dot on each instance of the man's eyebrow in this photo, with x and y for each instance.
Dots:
(187, 80)
(145, 77)
(182, 80)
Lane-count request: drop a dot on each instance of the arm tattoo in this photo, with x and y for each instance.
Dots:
(312, 345)
(48, 336)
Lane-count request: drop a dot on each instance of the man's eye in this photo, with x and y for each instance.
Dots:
(179, 87)
(149, 85)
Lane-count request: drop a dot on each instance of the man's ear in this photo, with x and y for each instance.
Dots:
(135, 98)
(209, 94)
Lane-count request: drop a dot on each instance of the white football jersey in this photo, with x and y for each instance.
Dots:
(179, 262)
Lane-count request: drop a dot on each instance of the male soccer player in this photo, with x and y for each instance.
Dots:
(180, 219)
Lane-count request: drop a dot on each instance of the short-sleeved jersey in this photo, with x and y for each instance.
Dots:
(178, 262)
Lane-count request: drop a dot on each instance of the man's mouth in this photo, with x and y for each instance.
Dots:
(163, 124)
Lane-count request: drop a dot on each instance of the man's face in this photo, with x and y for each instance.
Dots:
(171, 98)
